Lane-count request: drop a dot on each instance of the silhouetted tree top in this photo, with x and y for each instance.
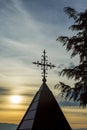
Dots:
(78, 45)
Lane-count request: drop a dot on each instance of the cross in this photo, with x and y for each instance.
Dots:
(44, 65)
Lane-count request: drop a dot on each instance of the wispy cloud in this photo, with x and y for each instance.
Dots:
(5, 126)
(4, 91)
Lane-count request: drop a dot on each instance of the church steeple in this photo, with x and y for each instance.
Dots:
(44, 112)
(44, 65)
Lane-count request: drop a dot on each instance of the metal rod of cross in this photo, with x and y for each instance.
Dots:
(44, 65)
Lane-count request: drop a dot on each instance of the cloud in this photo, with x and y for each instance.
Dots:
(23, 35)
(71, 65)
(27, 94)
(4, 126)
(68, 103)
(46, 11)
(65, 103)
(13, 109)
(80, 129)
(4, 91)
(10, 48)
(4, 94)
(33, 85)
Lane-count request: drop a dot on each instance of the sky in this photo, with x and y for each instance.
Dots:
(27, 27)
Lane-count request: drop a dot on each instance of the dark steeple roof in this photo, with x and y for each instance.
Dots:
(44, 113)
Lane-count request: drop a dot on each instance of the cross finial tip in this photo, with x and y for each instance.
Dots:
(44, 65)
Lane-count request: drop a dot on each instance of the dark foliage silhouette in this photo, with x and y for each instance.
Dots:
(77, 44)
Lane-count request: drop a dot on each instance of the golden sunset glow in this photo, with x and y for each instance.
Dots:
(15, 99)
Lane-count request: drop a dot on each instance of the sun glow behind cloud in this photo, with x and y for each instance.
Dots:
(15, 99)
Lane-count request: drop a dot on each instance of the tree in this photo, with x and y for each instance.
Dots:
(78, 45)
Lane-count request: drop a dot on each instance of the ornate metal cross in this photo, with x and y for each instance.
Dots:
(44, 65)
